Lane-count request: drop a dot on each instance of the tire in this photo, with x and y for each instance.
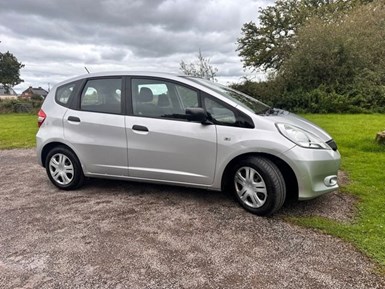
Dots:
(64, 169)
(258, 185)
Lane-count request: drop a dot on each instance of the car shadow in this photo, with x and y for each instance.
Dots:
(101, 186)
(336, 205)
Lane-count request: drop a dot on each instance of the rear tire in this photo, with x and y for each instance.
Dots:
(258, 185)
(64, 169)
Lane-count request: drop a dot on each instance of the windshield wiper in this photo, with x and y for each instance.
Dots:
(267, 111)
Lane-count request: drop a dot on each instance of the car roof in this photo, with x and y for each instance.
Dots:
(125, 73)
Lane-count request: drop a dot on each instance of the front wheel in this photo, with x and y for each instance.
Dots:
(258, 185)
(64, 169)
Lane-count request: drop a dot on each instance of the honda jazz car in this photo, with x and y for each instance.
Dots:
(182, 130)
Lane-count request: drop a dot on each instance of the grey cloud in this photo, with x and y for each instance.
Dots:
(173, 15)
(113, 54)
(168, 25)
(139, 33)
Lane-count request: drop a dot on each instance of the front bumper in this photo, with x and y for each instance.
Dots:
(316, 170)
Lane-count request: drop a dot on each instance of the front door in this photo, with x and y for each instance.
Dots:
(162, 144)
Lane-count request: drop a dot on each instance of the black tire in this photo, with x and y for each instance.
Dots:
(258, 185)
(64, 169)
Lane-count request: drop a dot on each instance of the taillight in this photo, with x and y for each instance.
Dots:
(41, 117)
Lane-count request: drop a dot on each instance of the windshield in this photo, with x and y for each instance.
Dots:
(238, 97)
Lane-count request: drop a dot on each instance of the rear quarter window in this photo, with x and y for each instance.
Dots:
(65, 93)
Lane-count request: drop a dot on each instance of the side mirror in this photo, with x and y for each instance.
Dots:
(197, 114)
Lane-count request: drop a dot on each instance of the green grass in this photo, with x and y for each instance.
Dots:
(364, 162)
(17, 130)
(362, 159)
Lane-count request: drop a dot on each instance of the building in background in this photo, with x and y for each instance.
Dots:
(11, 94)
(32, 91)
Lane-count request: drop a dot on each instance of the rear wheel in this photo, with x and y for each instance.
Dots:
(258, 185)
(64, 169)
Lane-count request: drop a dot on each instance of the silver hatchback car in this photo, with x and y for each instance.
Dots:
(182, 130)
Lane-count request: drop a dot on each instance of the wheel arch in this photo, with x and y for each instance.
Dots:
(288, 174)
(48, 147)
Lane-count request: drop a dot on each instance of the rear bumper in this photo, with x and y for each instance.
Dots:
(39, 148)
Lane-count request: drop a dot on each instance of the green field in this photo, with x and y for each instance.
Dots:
(17, 130)
(364, 162)
(362, 159)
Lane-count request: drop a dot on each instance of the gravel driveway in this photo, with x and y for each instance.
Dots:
(113, 234)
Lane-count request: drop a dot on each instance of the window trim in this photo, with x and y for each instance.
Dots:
(126, 98)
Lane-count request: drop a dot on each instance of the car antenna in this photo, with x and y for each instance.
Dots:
(86, 69)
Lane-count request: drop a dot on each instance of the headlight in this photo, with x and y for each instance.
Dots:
(301, 137)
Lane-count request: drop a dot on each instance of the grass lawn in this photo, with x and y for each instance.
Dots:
(364, 162)
(17, 130)
(362, 159)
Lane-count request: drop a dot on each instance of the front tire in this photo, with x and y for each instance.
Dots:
(258, 185)
(64, 169)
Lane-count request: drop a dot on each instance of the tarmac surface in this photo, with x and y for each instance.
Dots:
(114, 234)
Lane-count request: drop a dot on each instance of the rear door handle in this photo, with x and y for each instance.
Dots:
(139, 127)
(74, 118)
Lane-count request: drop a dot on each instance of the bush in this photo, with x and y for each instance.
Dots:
(266, 91)
(36, 97)
(20, 106)
(360, 97)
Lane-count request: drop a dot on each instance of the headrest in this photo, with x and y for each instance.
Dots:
(145, 95)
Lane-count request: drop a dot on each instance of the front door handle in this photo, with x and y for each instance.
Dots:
(74, 118)
(139, 127)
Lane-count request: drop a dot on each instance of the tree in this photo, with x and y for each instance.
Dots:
(271, 42)
(336, 54)
(9, 70)
(345, 58)
(336, 64)
(200, 68)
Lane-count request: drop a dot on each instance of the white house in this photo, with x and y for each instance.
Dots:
(10, 95)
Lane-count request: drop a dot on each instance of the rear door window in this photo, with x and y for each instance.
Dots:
(102, 95)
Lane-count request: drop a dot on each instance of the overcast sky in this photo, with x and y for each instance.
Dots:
(55, 39)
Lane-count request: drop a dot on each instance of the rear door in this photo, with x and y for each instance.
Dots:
(162, 144)
(96, 129)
